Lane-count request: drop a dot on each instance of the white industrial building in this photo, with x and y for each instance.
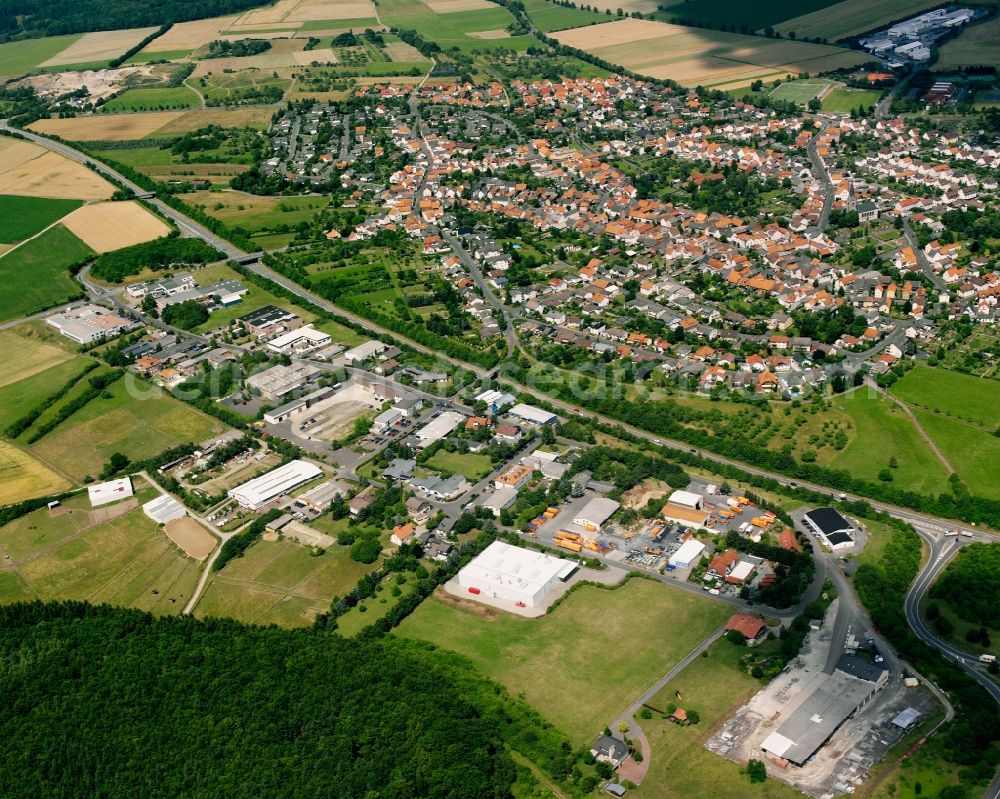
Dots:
(495, 501)
(256, 493)
(595, 513)
(111, 491)
(496, 399)
(164, 509)
(529, 413)
(686, 499)
(688, 555)
(436, 429)
(88, 324)
(365, 351)
(514, 574)
(299, 341)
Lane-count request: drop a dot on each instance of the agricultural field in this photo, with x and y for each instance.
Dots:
(107, 127)
(112, 554)
(736, 15)
(952, 394)
(17, 58)
(693, 56)
(621, 640)
(30, 170)
(977, 45)
(98, 46)
(155, 99)
(845, 99)
(31, 371)
(23, 476)
(851, 18)
(470, 465)
(137, 426)
(548, 17)
(35, 275)
(187, 36)
(972, 451)
(479, 28)
(257, 118)
(280, 582)
(110, 226)
(24, 217)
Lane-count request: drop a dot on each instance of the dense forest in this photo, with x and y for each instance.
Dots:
(971, 584)
(110, 702)
(25, 19)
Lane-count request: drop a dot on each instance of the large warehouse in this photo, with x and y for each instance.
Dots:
(256, 493)
(595, 513)
(831, 527)
(688, 555)
(515, 574)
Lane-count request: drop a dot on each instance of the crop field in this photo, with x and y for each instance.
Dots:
(23, 476)
(952, 394)
(162, 99)
(468, 464)
(107, 127)
(800, 91)
(280, 582)
(99, 46)
(28, 170)
(455, 29)
(24, 217)
(187, 36)
(110, 226)
(17, 58)
(137, 426)
(845, 99)
(549, 17)
(737, 14)
(78, 554)
(977, 45)
(258, 118)
(693, 56)
(714, 686)
(582, 664)
(972, 451)
(35, 276)
(851, 17)
(25, 383)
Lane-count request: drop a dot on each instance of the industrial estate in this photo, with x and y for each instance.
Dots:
(510, 399)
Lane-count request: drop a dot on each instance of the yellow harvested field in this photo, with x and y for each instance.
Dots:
(51, 175)
(268, 14)
(190, 35)
(316, 10)
(266, 61)
(628, 6)
(451, 6)
(190, 536)
(224, 117)
(14, 152)
(23, 476)
(495, 34)
(99, 46)
(694, 56)
(851, 17)
(110, 226)
(107, 127)
(24, 357)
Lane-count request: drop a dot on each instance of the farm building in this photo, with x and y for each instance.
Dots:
(684, 516)
(531, 414)
(88, 323)
(436, 429)
(831, 527)
(111, 491)
(256, 493)
(514, 574)
(686, 499)
(595, 513)
(688, 555)
(164, 509)
(834, 699)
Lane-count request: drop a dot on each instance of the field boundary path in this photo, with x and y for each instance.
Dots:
(916, 426)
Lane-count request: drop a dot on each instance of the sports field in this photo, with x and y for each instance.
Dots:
(107, 127)
(162, 99)
(693, 56)
(35, 276)
(110, 226)
(28, 170)
(17, 58)
(137, 427)
(977, 45)
(852, 17)
(951, 393)
(280, 582)
(23, 217)
(80, 553)
(845, 99)
(190, 536)
(23, 476)
(800, 91)
(581, 665)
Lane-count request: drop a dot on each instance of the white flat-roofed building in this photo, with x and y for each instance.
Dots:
(688, 555)
(529, 413)
(365, 351)
(436, 429)
(496, 399)
(595, 513)
(514, 574)
(498, 499)
(256, 493)
(687, 499)
(299, 341)
(164, 509)
(741, 572)
(111, 491)
(280, 381)
(322, 496)
(386, 419)
(88, 324)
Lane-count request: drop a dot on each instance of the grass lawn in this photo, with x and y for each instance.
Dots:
(16, 58)
(468, 464)
(953, 393)
(36, 275)
(138, 426)
(280, 582)
(846, 99)
(155, 99)
(548, 16)
(126, 561)
(581, 665)
(256, 213)
(882, 431)
(255, 298)
(373, 609)
(715, 686)
(799, 91)
(974, 453)
(23, 217)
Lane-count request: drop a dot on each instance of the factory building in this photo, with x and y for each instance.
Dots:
(258, 492)
(514, 574)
